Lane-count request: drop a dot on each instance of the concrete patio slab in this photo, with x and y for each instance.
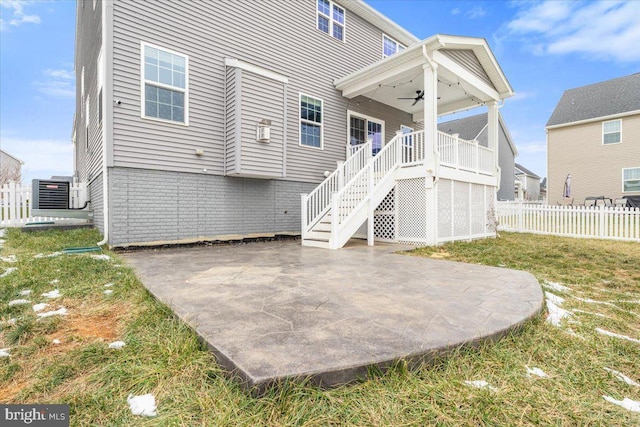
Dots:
(276, 310)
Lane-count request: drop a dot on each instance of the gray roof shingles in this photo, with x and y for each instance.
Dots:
(467, 128)
(525, 171)
(602, 99)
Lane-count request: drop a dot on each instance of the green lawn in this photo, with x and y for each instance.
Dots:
(164, 357)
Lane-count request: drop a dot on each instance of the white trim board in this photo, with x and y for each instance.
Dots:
(255, 69)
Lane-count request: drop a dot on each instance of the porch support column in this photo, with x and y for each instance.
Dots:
(430, 76)
(492, 131)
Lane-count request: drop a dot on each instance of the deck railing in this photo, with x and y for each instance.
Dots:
(467, 155)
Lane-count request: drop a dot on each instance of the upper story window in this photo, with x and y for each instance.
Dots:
(165, 84)
(390, 46)
(612, 132)
(331, 18)
(631, 180)
(310, 121)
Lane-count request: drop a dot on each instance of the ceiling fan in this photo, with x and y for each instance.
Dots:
(419, 97)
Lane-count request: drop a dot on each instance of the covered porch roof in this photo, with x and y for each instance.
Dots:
(468, 75)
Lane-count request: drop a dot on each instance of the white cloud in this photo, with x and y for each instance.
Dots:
(17, 15)
(42, 157)
(59, 83)
(455, 11)
(519, 96)
(476, 12)
(603, 30)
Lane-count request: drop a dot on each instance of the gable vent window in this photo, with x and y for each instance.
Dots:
(331, 19)
(165, 85)
(611, 132)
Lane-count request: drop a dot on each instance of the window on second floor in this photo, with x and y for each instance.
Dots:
(390, 46)
(164, 76)
(631, 180)
(330, 18)
(612, 132)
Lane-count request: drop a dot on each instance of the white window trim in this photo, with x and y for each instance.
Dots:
(143, 81)
(367, 118)
(620, 131)
(398, 44)
(301, 120)
(623, 180)
(331, 21)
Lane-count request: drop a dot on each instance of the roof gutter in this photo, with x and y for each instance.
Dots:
(594, 119)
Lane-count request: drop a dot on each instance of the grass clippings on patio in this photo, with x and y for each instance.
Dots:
(162, 355)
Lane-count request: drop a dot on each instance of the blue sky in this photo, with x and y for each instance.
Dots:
(544, 47)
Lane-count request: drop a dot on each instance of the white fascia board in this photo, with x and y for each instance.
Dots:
(255, 69)
(594, 119)
(479, 88)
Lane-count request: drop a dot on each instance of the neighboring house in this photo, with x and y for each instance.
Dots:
(594, 135)
(474, 128)
(527, 184)
(207, 120)
(10, 168)
(543, 190)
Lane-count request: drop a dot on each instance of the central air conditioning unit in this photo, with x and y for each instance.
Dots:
(50, 194)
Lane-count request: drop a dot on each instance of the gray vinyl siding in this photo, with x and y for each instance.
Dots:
(468, 60)
(232, 108)
(94, 193)
(250, 99)
(161, 206)
(88, 44)
(506, 161)
(277, 36)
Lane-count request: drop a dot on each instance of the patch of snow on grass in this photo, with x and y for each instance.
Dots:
(626, 403)
(2, 232)
(59, 312)
(51, 255)
(481, 384)
(52, 294)
(612, 334)
(40, 307)
(4, 352)
(108, 285)
(56, 341)
(108, 292)
(19, 302)
(537, 372)
(554, 298)
(26, 292)
(54, 282)
(10, 258)
(556, 314)
(102, 257)
(556, 286)
(8, 271)
(622, 377)
(117, 344)
(575, 310)
(144, 405)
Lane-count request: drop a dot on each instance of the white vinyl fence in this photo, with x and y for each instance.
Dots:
(15, 202)
(601, 222)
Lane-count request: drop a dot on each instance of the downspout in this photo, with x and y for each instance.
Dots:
(435, 154)
(107, 107)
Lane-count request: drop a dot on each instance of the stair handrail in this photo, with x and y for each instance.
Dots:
(318, 201)
(375, 171)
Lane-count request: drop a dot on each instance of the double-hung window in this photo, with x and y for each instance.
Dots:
(390, 46)
(612, 132)
(631, 180)
(310, 121)
(330, 18)
(165, 85)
